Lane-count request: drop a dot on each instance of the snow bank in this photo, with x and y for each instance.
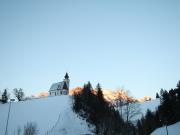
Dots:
(172, 130)
(52, 114)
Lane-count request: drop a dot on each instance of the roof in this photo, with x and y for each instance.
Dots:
(57, 86)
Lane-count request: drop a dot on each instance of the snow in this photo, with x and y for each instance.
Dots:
(143, 106)
(172, 130)
(151, 105)
(53, 115)
(56, 86)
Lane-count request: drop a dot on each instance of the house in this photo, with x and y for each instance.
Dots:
(60, 88)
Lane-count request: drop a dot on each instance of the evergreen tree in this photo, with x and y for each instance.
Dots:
(157, 95)
(100, 95)
(157, 121)
(166, 108)
(178, 85)
(178, 101)
(140, 128)
(4, 96)
(93, 107)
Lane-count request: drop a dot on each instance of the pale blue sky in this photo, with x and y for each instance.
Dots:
(123, 43)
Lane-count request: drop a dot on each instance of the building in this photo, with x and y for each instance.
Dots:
(60, 88)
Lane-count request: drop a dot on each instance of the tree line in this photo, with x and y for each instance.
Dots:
(18, 93)
(100, 113)
(109, 120)
(167, 113)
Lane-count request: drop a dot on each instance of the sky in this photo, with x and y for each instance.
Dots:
(134, 45)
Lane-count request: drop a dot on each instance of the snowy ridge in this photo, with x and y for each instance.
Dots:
(51, 114)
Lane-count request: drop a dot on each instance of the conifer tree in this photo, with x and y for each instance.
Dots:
(4, 96)
(100, 94)
(178, 101)
(157, 95)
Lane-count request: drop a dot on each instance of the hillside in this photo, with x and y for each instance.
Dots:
(45, 112)
(53, 115)
(143, 106)
(151, 105)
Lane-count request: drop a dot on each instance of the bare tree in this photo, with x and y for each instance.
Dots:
(18, 131)
(30, 129)
(130, 110)
(120, 101)
(19, 94)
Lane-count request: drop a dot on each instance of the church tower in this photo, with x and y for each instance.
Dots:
(66, 80)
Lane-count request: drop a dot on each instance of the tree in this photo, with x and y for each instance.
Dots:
(93, 107)
(140, 128)
(178, 101)
(100, 94)
(19, 131)
(130, 108)
(167, 111)
(178, 84)
(19, 93)
(157, 95)
(120, 101)
(30, 129)
(4, 96)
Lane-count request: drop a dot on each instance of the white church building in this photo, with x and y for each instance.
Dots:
(60, 88)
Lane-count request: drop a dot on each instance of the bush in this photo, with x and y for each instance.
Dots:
(30, 129)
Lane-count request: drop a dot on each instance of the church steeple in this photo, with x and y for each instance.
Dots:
(66, 76)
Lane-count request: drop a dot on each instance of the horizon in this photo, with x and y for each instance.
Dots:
(132, 45)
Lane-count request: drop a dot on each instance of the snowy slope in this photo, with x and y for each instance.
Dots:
(151, 105)
(51, 114)
(172, 130)
(143, 106)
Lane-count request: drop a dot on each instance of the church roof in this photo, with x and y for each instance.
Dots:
(57, 86)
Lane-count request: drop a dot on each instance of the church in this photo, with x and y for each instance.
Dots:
(60, 88)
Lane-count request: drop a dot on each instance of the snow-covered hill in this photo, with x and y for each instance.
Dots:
(53, 115)
(172, 130)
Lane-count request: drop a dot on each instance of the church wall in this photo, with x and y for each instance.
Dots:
(58, 93)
